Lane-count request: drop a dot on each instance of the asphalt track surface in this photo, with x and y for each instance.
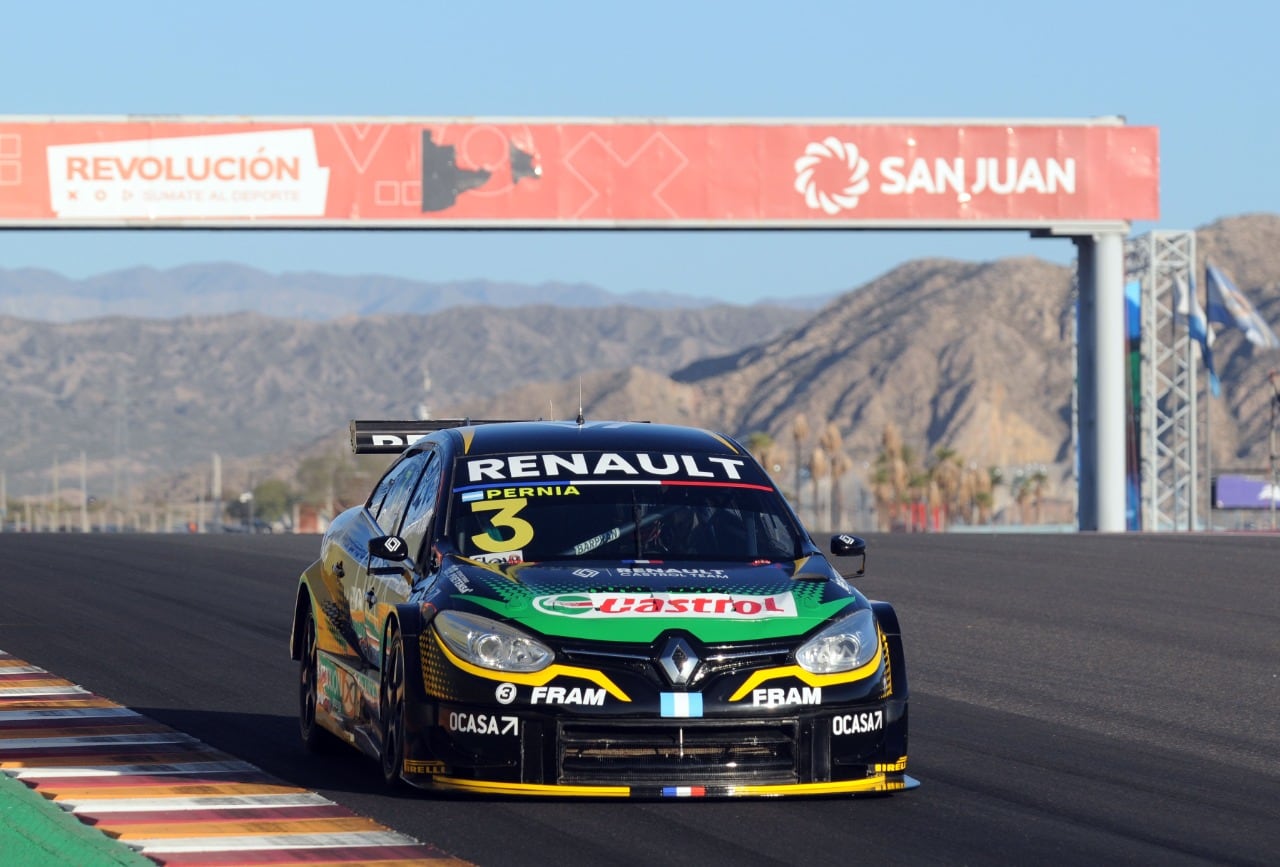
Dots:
(1074, 700)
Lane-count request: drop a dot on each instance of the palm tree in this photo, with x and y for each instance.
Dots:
(945, 475)
(799, 433)
(765, 449)
(995, 478)
(883, 494)
(839, 464)
(1022, 493)
(984, 501)
(980, 496)
(817, 469)
(892, 476)
(1038, 480)
(758, 441)
(968, 489)
(922, 492)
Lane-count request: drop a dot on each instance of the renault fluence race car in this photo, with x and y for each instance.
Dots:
(615, 609)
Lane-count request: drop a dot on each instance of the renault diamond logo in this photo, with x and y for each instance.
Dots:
(678, 661)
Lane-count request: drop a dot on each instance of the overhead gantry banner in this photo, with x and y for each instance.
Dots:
(1062, 176)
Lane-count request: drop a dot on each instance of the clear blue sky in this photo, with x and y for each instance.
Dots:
(1202, 72)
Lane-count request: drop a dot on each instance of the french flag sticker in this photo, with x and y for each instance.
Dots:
(684, 792)
(682, 704)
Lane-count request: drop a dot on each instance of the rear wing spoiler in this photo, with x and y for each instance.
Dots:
(378, 437)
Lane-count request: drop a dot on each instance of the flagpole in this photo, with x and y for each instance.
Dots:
(1208, 403)
(1274, 400)
(1193, 447)
(1272, 450)
(1208, 456)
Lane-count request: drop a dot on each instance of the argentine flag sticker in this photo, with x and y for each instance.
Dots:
(472, 496)
(682, 704)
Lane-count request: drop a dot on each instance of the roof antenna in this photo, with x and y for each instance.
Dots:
(551, 409)
(580, 418)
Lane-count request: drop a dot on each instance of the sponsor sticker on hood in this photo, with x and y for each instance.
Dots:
(745, 603)
(667, 605)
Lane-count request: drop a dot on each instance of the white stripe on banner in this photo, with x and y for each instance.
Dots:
(20, 669)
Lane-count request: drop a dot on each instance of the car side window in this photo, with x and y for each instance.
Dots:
(401, 481)
(380, 491)
(421, 511)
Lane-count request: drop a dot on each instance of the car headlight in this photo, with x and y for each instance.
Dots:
(842, 646)
(490, 644)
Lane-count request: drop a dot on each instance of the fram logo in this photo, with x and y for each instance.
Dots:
(665, 605)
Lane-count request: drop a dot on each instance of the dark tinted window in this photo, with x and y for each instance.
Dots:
(399, 483)
(421, 510)
(380, 491)
(620, 506)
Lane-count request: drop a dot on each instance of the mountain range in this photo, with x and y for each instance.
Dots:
(223, 288)
(972, 357)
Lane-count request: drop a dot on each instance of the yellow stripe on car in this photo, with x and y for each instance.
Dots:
(869, 784)
(497, 788)
(806, 677)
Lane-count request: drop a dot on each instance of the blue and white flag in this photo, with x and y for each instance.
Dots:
(683, 705)
(1227, 304)
(1187, 311)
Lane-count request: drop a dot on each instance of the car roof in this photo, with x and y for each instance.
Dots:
(553, 436)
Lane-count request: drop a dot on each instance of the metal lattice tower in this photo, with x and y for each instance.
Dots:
(1168, 437)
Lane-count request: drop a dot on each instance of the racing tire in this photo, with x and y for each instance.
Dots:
(391, 712)
(315, 737)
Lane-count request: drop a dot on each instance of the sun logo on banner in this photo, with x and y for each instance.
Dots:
(831, 175)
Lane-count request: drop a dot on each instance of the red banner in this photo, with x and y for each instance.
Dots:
(404, 173)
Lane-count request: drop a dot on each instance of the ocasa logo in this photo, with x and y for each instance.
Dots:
(832, 175)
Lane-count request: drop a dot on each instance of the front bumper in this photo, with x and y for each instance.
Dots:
(517, 750)
(605, 731)
(879, 784)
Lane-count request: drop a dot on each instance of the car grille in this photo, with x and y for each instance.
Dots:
(715, 660)
(738, 753)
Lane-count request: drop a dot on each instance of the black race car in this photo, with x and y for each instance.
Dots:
(580, 608)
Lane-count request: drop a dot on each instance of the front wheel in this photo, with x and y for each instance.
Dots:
(391, 712)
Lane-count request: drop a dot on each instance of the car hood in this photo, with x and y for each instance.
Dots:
(716, 603)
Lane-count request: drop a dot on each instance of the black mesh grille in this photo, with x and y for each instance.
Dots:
(740, 753)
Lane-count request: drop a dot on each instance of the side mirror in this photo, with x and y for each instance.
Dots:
(846, 545)
(393, 549)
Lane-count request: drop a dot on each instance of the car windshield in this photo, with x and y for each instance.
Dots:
(619, 506)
